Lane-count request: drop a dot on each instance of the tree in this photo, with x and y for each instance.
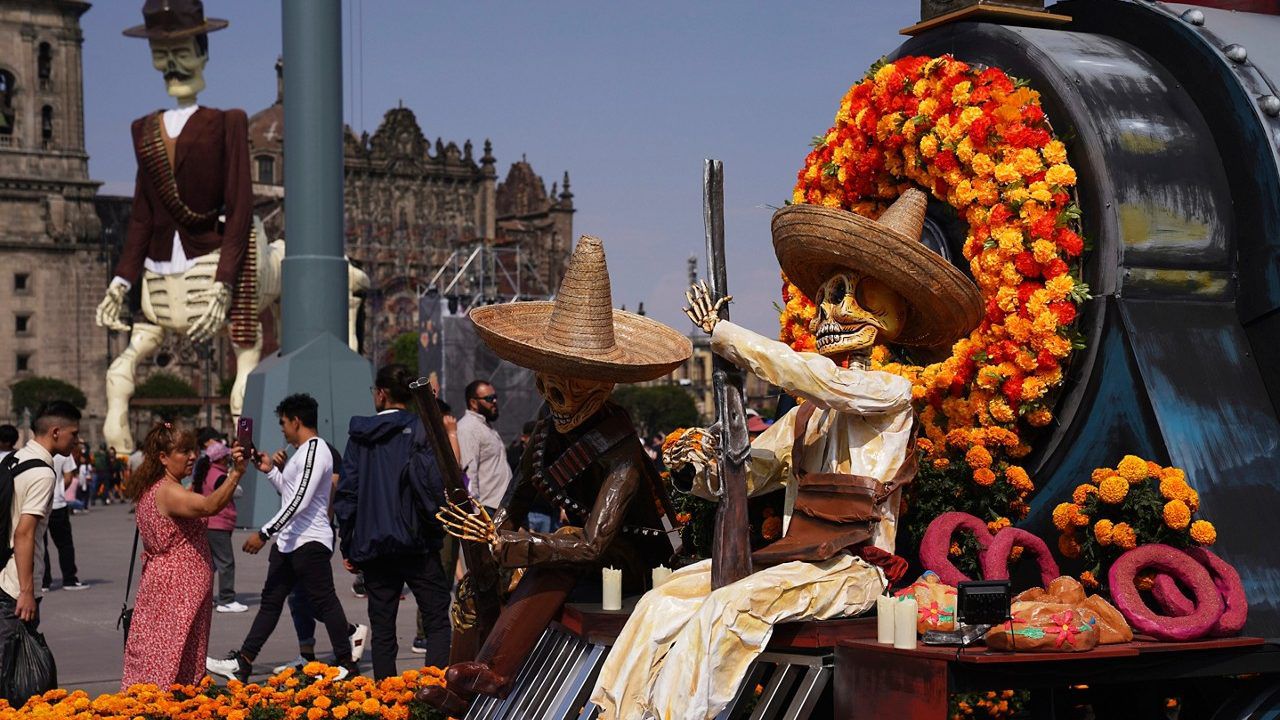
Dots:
(32, 392)
(404, 350)
(166, 386)
(657, 409)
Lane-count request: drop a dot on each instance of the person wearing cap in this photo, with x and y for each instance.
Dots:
(584, 457)
(842, 456)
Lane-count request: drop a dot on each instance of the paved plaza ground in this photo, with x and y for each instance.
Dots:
(81, 626)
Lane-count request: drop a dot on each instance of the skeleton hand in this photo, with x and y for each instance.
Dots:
(214, 316)
(695, 446)
(702, 311)
(475, 527)
(108, 315)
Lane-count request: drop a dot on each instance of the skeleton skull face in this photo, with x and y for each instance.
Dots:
(852, 309)
(182, 63)
(572, 400)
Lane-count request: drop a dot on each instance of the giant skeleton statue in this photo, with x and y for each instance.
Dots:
(843, 456)
(192, 239)
(584, 457)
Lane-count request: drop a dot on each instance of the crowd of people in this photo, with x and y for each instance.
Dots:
(375, 505)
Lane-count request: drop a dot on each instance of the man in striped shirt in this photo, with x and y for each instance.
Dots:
(304, 541)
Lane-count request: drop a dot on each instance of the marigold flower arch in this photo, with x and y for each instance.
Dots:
(977, 139)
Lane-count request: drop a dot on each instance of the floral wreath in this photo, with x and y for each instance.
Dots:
(979, 140)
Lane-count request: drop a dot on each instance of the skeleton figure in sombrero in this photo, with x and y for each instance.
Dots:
(842, 456)
(585, 457)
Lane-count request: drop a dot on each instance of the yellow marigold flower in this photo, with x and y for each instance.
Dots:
(929, 145)
(1062, 515)
(984, 477)
(1000, 410)
(1203, 532)
(1027, 160)
(1124, 536)
(1044, 251)
(1176, 515)
(1174, 488)
(1061, 175)
(1082, 493)
(885, 72)
(978, 457)
(1059, 287)
(920, 87)
(1039, 417)
(1018, 478)
(1088, 580)
(927, 107)
(1068, 546)
(1113, 489)
(1133, 468)
(1103, 530)
(1017, 195)
(1054, 152)
(1173, 472)
(1006, 173)
(1040, 193)
(960, 93)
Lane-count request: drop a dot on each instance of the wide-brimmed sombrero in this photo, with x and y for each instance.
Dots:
(174, 20)
(812, 242)
(580, 334)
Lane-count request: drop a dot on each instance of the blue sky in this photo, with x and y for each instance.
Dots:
(628, 97)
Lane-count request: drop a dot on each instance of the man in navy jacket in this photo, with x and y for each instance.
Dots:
(385, 505)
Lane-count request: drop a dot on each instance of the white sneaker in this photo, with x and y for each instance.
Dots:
(342, 672)
(228, 668)
(358, 639)
(232, 607)
(76, 586)
(295, 663)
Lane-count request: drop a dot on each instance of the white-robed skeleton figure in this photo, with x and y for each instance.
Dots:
(842, 457)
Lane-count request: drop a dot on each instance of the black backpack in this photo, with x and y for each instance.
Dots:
(10, 468)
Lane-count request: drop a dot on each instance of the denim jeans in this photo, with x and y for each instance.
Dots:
(541, 523)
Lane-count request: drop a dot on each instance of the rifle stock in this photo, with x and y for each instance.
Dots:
(482, 571)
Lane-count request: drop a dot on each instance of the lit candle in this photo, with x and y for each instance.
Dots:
(904, 624)
(612, 589)
(660, 575)
(885, 608)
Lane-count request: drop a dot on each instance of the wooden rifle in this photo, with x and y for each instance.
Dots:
(476, 607)
(731, 543)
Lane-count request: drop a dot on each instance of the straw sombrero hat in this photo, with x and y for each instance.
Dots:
(580, 335)
(812, 242)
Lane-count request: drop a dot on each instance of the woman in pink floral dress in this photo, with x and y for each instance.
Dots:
(169, 635)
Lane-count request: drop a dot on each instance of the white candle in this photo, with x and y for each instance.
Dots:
(885, 608)
(612, 589)
(660, 575)
(904, 624)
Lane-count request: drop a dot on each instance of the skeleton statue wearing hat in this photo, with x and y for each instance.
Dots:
(843, 456)
(584, 457)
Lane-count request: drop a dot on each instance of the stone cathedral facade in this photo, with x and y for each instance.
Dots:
(417, 210)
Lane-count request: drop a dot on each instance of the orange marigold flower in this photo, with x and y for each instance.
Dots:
(1102, 530)
(978, 457)
(1174, 488)
(341, 712)
(999, 524)
(1088, 580)
(954, 550)
(1203, 532)
(1133, 468)
(1145, 581)
(1082, 493)
(1039, 417)
(984, 477)
(1113, 489)
(941, 463)
(1018, 479)
(1015, 553)
(1193, 500)
(1063, 514)
(1124, 536)
(1176, 515)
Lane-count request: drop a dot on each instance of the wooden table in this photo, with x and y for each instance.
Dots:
(874, 680)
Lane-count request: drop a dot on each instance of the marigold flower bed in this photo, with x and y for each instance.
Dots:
(310, 695)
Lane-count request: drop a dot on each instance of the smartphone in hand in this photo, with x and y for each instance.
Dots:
(244, 436)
